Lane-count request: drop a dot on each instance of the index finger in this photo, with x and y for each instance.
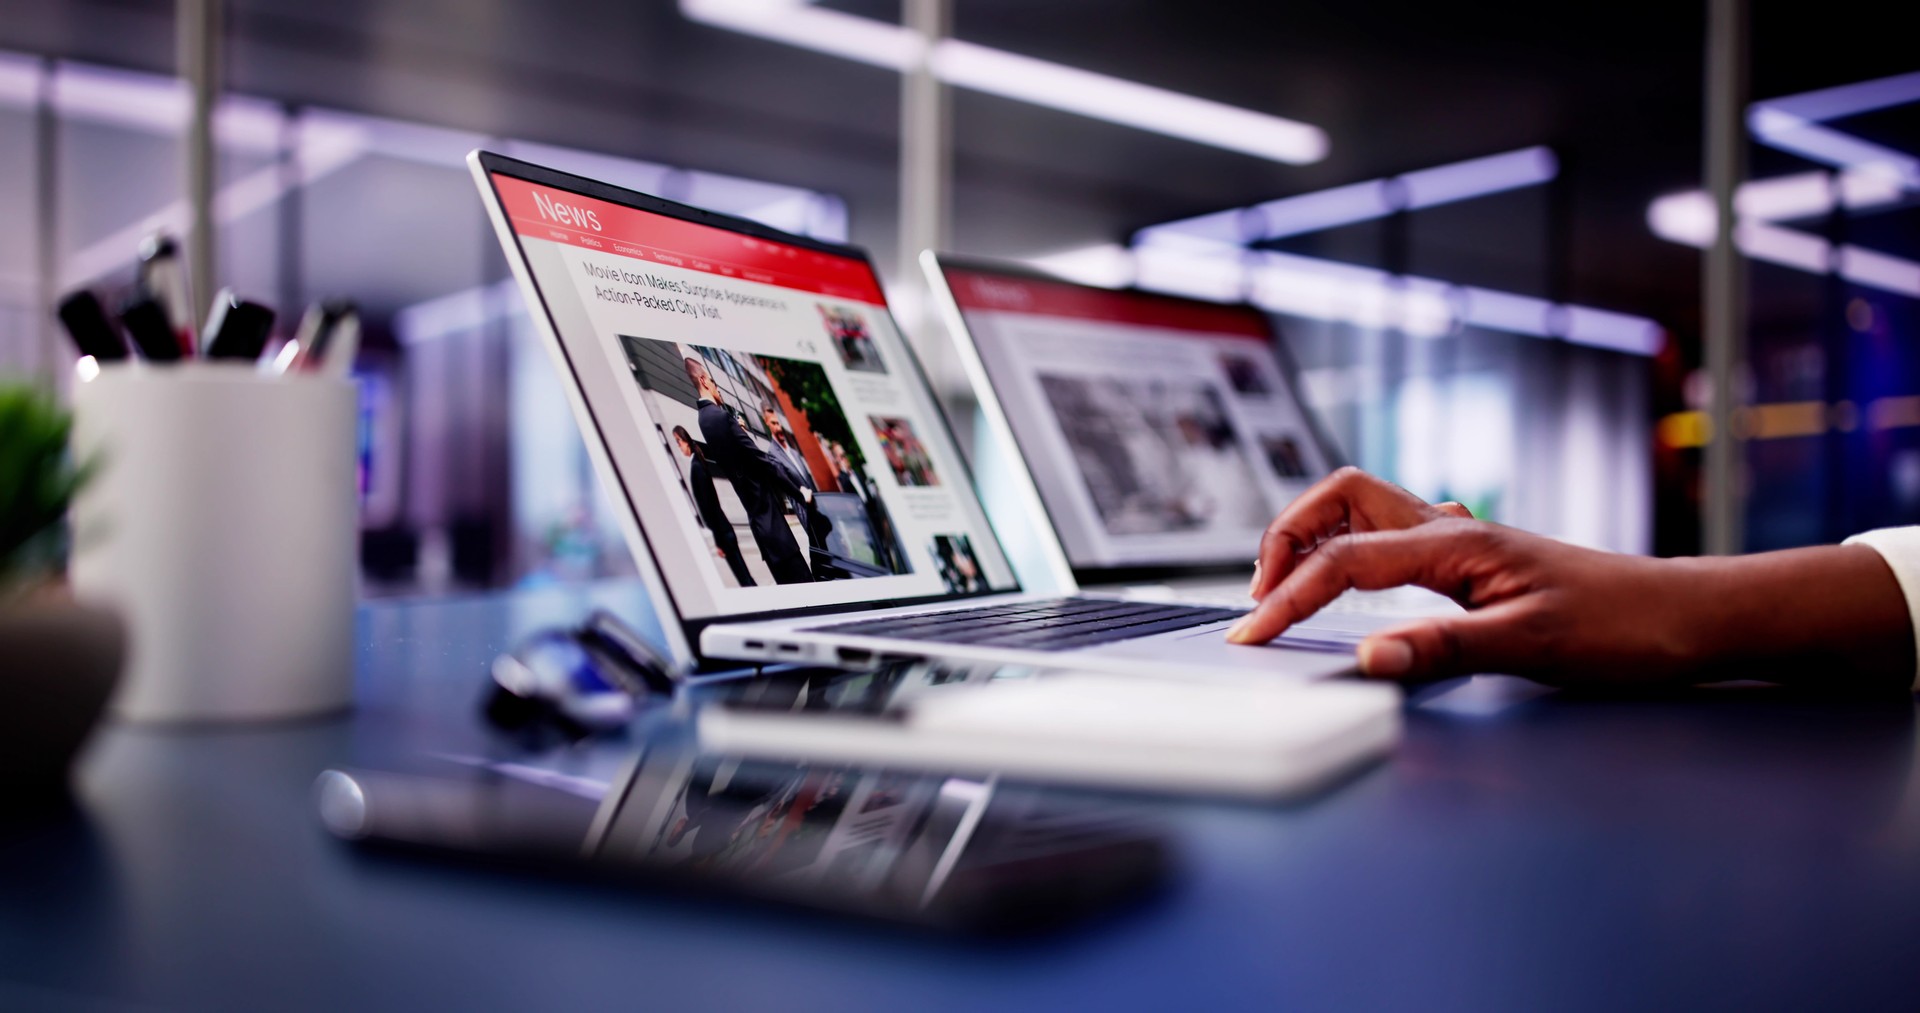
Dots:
(1348, 498)
(1433, 556)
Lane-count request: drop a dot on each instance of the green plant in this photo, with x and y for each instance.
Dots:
(38, 479)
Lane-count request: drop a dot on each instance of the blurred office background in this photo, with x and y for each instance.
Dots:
(1478, 226)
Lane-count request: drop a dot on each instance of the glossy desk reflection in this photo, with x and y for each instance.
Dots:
(1522, 851)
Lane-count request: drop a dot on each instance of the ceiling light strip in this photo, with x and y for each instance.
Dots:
(1354, 203)
(1023, 78)
(1319, 289)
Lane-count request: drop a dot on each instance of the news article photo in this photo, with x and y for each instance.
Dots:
(1245, 375)
(1157, 456)
(768, 463)
(1283, 454)
(959, 567)
(847, 332)
(905, 453)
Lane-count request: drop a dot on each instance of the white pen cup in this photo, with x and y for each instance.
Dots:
(222, 522)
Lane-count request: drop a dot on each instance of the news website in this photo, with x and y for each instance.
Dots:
(1158, 431)
(759, 408)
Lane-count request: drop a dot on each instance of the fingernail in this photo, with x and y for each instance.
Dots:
(1236, 632)
(1385, 657)
(1253, 586)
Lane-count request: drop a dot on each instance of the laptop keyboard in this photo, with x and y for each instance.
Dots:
(1059, 624)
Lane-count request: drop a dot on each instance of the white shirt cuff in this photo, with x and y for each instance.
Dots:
(1900, 547)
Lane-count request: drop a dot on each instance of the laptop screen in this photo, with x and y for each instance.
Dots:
(775, 442)
(1160, 431)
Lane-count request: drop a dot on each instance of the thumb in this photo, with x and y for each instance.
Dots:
(1453, 508)
(1438, 648)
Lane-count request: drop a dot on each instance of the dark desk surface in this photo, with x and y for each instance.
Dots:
(1524, 850)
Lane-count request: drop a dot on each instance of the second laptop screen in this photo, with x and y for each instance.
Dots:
(1159, 432)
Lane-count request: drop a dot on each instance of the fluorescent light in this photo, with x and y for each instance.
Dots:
(1783, 246)
(862, 40)
(1320, 289)
(1615, 331)
(1427, 307)
(1850, 99)
(1010, 75)
(1108, 265)
(1825, 144)
(19, 80)
(1683, 218)
(1330, 290)
(1478, 177)
(1129, 103)
(1219, 276)
(1362, 202)
(1505, 311)
(1801, 195)
(1324, 209)
(1869, 186)
(1879, 270)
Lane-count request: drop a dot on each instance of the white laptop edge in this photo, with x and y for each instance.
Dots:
(663, 608)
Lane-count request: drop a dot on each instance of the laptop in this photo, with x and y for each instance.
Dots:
(791, 490)
(1158, 434)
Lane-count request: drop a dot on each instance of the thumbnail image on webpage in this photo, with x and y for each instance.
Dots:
(906, 455)
(769, 464)
(1156, 455)
(959, 567)
(852, 341)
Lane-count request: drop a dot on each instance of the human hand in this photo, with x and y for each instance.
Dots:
(1536, 607)
(1573, 616)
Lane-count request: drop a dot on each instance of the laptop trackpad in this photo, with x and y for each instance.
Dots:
(1209, 649)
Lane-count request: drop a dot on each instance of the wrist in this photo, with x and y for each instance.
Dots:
(1832, 614)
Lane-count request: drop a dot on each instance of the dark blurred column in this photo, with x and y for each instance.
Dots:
(197, 42)
(1724, 283)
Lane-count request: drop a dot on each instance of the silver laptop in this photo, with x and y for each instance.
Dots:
(1158, 434)
(792, 492)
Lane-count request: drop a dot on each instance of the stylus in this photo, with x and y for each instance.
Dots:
(92, 331)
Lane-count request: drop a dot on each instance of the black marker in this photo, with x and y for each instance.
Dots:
(152, 332)
(236, 328)
(92, 331)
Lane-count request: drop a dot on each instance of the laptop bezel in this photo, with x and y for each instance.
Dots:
(936, 264)
(684, 632)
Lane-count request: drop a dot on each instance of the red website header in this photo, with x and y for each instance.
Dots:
(976, 290)
(540, 212)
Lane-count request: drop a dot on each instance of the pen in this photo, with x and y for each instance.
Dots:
(236, 328)
(163, 276)
(152, 332)
(92, 331)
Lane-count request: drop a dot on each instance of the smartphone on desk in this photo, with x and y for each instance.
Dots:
(945, 852)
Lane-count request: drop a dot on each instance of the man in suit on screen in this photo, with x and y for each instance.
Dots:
(761, 482)
(707, 503)
(795, 464)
